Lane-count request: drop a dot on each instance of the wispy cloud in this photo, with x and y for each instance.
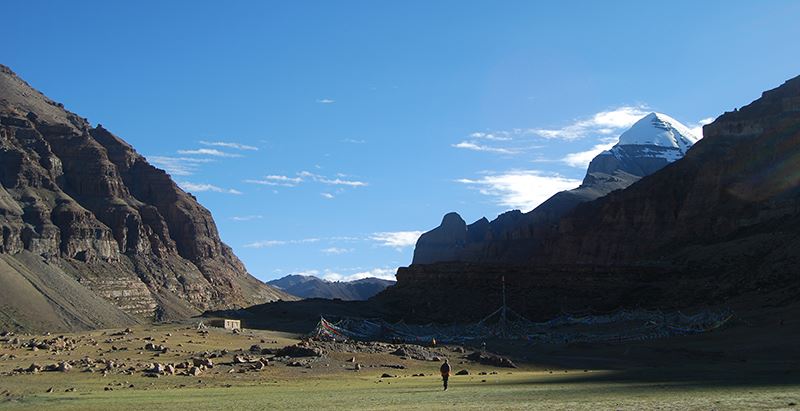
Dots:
(247, 217)
(303, 176)
(336, 250)
(326, 101)
(470, 145)
(493, 136)
(208, 152)
(330, 181)
(522, 140)
(329, 196)
(582, 159)
(521, 189)
(201, 187)
(274, 243)
(276, 180)
(602, 123)
(227, 144)
(178, 166)
(396, 239)
(697, 128)
(353, 141)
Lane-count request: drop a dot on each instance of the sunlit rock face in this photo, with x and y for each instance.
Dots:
(81, 198)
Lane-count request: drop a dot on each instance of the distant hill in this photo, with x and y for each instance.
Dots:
(307, 286)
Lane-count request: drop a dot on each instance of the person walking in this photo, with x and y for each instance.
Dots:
(445, 369)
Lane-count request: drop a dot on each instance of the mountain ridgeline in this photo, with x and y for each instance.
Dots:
(720, 225)
(93, 235)
(653, 142)
(307, 286)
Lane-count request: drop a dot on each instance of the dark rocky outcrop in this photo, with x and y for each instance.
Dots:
(86, 204)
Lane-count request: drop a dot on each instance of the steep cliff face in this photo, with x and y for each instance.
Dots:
(721, 224)
(731, 203)
(83, 200)
(650, 144)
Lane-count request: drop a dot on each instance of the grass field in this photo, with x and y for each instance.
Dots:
(524, 390)
(330, 382)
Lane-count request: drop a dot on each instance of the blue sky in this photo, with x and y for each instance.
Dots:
(324, 136)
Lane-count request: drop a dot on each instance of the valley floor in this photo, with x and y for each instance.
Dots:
(570, 378)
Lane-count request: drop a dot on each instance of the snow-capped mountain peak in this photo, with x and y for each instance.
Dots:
(656, 129)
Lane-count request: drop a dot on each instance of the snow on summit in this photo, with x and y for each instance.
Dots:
(656, 129)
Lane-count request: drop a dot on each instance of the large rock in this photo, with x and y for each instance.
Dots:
(84, 202)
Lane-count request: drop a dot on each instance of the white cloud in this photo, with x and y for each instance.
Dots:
(382, 273)
(582, 159)
(697, 128)
(274, 243)
(340, 182)
(353, 141)
(247, 217)
(327, 195)
(603, 123)
(178, 166)
(396, 239)
(286, 181)
(523, 189)
(336, 250)
(494, 136)
(277, 180)
(326, 101)
(201, 187)
(336, 181)
(469, 145)
(227, 144)
(208, 152)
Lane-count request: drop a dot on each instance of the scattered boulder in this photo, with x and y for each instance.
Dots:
(299, 350)
(388, 376)
(415, 352)
(203, 362)
(463, 372)
(491, 359)
(64, 367)
(195, 371)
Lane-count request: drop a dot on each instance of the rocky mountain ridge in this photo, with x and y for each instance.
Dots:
(651, 143)
(85, 203)
(719, 225)
(307, 286)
